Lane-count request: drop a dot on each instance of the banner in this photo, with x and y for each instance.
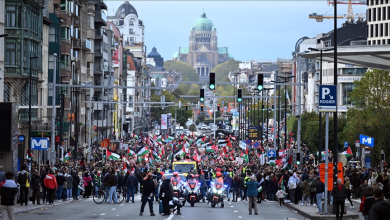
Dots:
(235, 122)
(164, 121)
(243, 145)
(240, 160)
(169, 120)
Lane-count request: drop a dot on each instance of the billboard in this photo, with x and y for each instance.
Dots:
(366, 140)
(164, 122)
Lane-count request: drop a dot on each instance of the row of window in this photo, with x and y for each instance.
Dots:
(378, 30)
(378, 42)
(13, 18)
(377, 2)
(378, 14)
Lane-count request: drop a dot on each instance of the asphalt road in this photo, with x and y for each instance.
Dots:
(87, 209)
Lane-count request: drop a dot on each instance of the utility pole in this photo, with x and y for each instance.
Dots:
(53, 112)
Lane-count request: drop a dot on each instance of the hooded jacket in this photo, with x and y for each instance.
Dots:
(23, 176)
(8, 191)
(60, 179)
(50, 181)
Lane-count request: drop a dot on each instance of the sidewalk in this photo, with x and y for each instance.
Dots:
(24, 209)
(309, 212)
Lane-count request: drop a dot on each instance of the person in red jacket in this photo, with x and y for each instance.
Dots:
(51, 185)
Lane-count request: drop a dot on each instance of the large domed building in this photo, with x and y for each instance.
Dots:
(203, 52)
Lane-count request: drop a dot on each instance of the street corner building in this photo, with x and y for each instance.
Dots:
(203, 52)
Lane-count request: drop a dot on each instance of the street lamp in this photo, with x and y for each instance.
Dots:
(61, 112)
(319, 113)
(29, 107)
(266, 137)
(286, 78)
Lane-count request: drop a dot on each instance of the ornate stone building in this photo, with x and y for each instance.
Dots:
(203, 52)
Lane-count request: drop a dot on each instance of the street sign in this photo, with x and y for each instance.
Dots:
(330, 175)
(41, 134)
(21, 138)
(271, 153)
(346, 144)
(366, 140)
(328, 98)
(256, 144)
(39, 143)
(254, 133)
(248, 142)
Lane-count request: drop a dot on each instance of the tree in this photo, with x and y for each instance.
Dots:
(188, 72)
(192, 128)
(223, 69)
(201, 117)
(371, 115)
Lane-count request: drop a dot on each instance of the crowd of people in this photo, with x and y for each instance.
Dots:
(247, 181)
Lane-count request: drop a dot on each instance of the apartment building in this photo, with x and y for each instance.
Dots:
(378, 21)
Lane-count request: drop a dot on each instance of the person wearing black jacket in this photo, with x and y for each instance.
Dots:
(147, 194)
(107, 186)
(60, 182)
(23, 177)
(45, 193)
(76, 182)
(339, 194)
(35, 185)
(8, 191)
(380, 210)
(369, 201)
(320, 189)
(166, 194)
(131, 186)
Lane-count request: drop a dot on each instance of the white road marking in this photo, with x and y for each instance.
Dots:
(117, 215)
(113, 208)
(239, 216)
(230, 203)
(235, 211)
(103, 214)
(232, 206)
(122, 205)
(170, 217)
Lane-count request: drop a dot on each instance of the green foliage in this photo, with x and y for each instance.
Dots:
(222, 70)
(182, 120)
(192, 128)
(201, 117)
(217, 114)
(188, 73)
(371, 115)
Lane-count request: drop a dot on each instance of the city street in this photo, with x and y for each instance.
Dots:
(87, 209)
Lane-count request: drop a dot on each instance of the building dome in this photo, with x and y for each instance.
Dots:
(175, 55)
(214, 29)
(125, 9)
(230, 56)
(154, 53)
(203, 23)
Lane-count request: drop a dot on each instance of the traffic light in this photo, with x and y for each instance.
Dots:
(201, 95)
(382, 157)
(260, 81)
(201, 107)
(218, 107)
(298, 158)
(239, 95)
(272, 107)
(212, 81)
(263, 107)
(186, 107)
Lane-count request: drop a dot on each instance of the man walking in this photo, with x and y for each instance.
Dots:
(339, 194)
(24, 182)
(147, 194)
(8, 190)
(320, 188)
(131, 185)
(166, 194)
(35, 185)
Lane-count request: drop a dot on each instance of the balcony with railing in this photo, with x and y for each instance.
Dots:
(87, 44)
(76, 45)
(101, 17)
(98, 68)
(99, 34)
(98, 51)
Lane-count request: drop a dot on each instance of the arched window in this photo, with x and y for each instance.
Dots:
(202, 58)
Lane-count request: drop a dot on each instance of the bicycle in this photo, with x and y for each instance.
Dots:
(100, 196)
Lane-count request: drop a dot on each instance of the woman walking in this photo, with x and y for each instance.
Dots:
(87, 184)
(348, 186)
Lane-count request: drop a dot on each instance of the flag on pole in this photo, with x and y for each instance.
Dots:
(144, 151)
(68, 155)
(282, 153)
(112, 155)
(348, 152)
(124, 167)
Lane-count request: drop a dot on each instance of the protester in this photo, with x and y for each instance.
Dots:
(339, 194)
(380, 209)
(24, 182)
(51, 186)
(369, 201)
(147, 194)
(280, 195)
(8, 191)
(131, 186)
(166, 194)
(320, 189)
(35, 185)
(252, 186)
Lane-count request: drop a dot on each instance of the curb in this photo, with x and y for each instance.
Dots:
(318, 217)
(42, 206)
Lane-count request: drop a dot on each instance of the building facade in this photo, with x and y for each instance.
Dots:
(203, 52)
(378, 21)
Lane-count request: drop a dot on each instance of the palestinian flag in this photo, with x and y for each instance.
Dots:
(160, 139)
(288, 163)
(163, 150)
(169, 139)
(212, 149)
(348, 152)
(196, 156)
(155, 155)
(124, 167)
(68, 155)
(131, 153)
(226, 142)
(322, 153)
(186, 147)
(135, 136)
(181, 153)
(201, 140)
(125, 160)
(29, 155)
(144, 151)
(245, 156)
(112, 155)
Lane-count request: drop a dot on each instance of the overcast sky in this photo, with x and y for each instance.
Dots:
(251, 29)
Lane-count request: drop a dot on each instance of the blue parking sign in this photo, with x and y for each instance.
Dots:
(328, 98)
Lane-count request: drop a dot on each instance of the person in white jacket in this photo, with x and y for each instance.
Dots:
(280, 195)
(372, 180)
(293, 182)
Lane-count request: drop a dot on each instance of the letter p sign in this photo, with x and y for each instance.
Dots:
(325, 91)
